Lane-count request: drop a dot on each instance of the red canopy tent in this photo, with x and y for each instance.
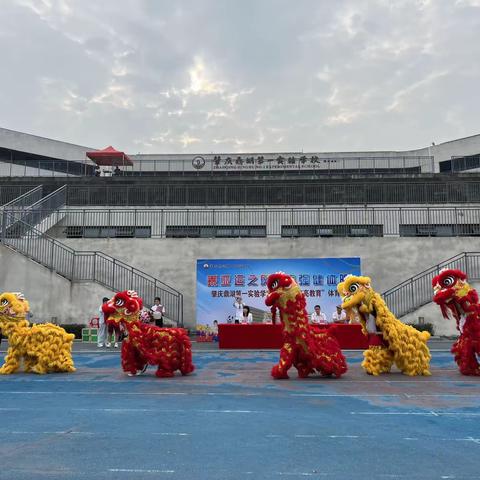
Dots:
(109, 157)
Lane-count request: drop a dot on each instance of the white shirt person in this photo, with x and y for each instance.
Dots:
(339, 316)
(158, 310)
(247, 317)
(318, 317)
(238, 304)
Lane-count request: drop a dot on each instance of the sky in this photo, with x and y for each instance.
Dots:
(213, 76)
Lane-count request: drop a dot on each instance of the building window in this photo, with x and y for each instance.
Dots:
(174, 231)
(109, 232)
(459, 230)
(332, 230)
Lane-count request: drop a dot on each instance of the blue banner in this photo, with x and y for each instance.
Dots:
(220, 281)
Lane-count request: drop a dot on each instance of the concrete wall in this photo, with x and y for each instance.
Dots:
(51, 297)
(388, 261)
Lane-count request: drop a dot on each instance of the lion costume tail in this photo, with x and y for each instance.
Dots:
(186, 364)
(327, 357)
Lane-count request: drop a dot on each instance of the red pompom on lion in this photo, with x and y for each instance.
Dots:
(307, 349)
(168, 348)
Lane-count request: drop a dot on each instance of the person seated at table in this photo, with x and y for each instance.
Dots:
(318, 317)
(353, 318)
(339, 316)
(247, 316)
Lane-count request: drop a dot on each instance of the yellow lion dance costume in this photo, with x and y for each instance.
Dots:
(402, 344)
(44, 348)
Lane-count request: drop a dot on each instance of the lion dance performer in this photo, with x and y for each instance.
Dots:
(44, 348)
(402, 344)
(303, 347)
(454, 295)
(168, 348)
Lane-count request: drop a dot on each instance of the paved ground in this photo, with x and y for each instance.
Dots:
(230, 420)
(435, 343)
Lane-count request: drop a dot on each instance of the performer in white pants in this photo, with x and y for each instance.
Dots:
(102, 325)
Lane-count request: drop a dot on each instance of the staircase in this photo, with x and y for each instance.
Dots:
(19, 221)
(417, 291)
(35, 210)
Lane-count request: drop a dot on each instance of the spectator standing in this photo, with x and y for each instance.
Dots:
(339, 316)
(318, 317)
(102, 325)
(158, 311)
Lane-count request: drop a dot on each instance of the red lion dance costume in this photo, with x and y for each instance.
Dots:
(169, 348)
(456, 296)
(307, 349)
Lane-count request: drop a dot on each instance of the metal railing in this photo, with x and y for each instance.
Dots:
(285, 222)
(36, 213)
(417, 291)
(226, 164)
(12, 192)
(276, 193)
(26, 199)
(18, 205)
(91, 266)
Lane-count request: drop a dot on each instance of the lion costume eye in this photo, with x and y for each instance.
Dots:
(448, 281)
(274, 284)
(353, 287)
(119, 302)
(4, 302)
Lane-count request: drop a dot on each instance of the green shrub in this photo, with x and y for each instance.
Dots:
(423, 327)
(74, 328)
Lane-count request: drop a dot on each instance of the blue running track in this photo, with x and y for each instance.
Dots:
(230, 420)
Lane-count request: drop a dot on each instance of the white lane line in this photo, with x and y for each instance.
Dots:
(468, 439)
(316, 436)
(138, 470)
(134, 410)
(172, 434)
(130, 410)
(377, 395)
(346, 395)
(426, 414)
(414, 395)
(58, 432)
(212, 394)
(301, 474)
(326, 395)
(45, 392)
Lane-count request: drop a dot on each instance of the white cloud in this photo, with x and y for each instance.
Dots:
(405, 94)
(201, 82)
